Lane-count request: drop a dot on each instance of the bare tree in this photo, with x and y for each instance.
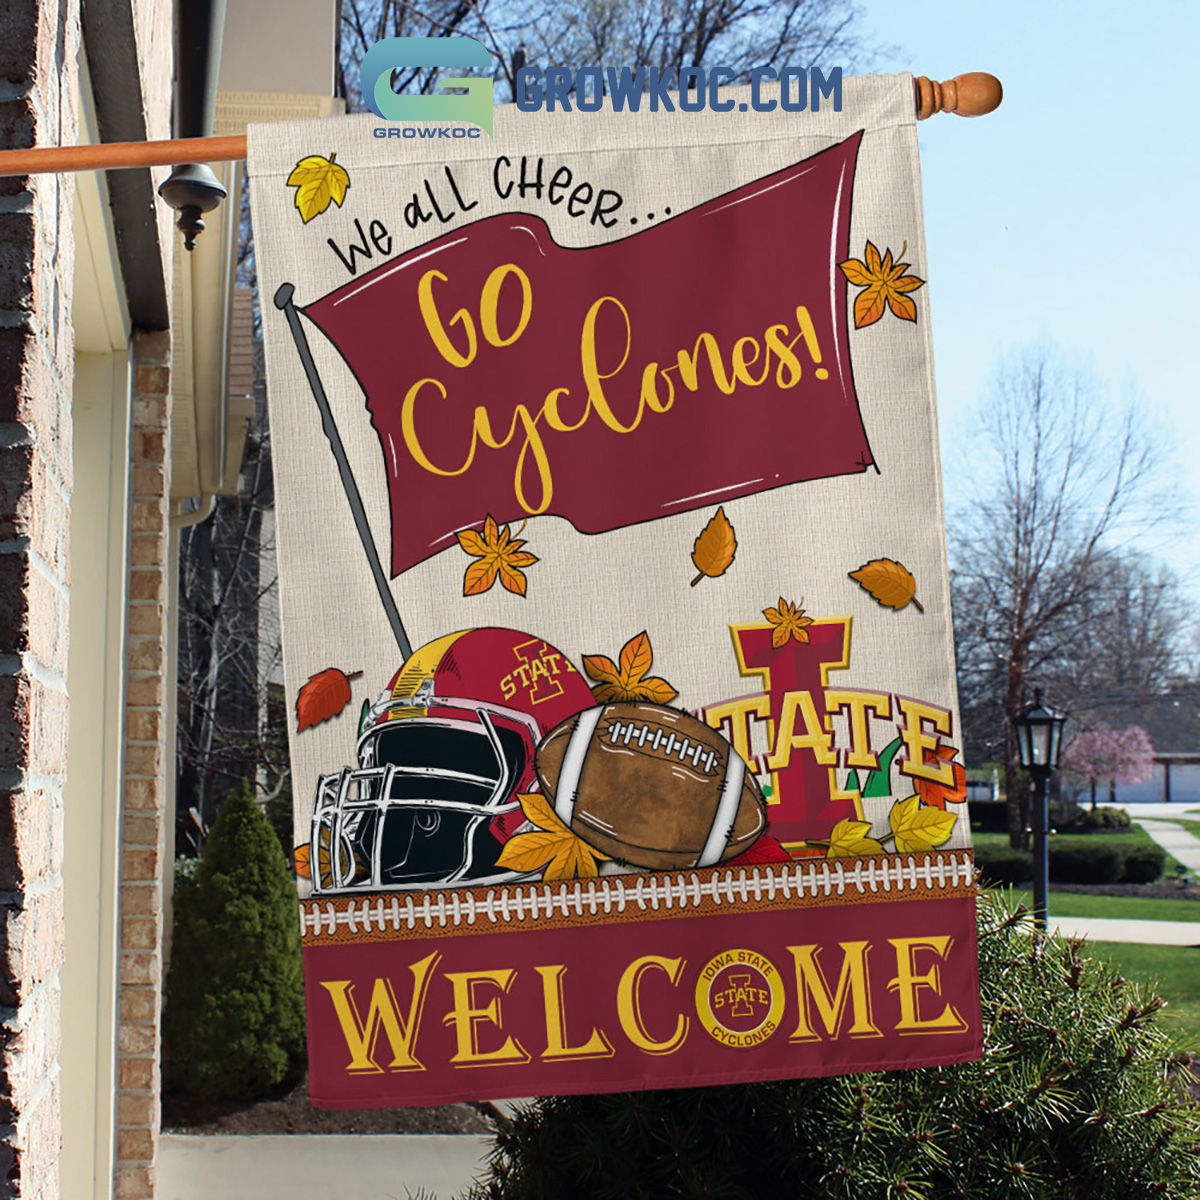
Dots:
(660, 34)
(230, 726)
(1130, 641)
(1037, 553)
(669, 34)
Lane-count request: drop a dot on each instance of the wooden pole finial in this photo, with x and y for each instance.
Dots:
(974, 94)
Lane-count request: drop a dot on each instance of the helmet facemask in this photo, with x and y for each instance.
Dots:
(431, 801)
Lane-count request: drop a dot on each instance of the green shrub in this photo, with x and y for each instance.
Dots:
(234, 1020)
(1104, 817)
(989, 816)
(1002, 864)
(1074, 1097)
(1067, 815)
(1091, 861)
(1144, 864)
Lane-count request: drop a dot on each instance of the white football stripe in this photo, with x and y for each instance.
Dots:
(572, 764)
(727, 810)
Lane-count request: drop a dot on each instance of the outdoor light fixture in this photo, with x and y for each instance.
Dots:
(192, 190)
(1039, 736)
(1039, 733)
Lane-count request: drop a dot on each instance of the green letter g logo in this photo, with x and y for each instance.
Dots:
(397, 53)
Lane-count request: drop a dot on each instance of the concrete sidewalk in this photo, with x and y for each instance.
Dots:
(318, 1167)
(1112, 929)
(1174, 839)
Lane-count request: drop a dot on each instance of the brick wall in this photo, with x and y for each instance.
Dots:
(38, 44)
(144, 816)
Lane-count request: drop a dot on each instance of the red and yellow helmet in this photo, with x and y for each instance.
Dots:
(442, 756)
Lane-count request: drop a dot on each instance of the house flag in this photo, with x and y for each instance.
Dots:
(617, 641)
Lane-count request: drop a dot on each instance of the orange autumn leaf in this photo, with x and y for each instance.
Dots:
(938, 795)
(323, 696)
(301, 857)
(714, 550)
(789, 621)
(552, 845)
(886, 285)
(499, 555)
(889, 582)
(628, 682)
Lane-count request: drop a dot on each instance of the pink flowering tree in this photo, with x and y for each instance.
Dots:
(1104, 754)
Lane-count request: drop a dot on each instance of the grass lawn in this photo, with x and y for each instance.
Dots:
(1193, 827)
(1134, 836)
(1175, 969)
(1125, 908)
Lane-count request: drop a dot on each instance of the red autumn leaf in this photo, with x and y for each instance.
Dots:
(938, 795)
(765, 850)
(323, 696)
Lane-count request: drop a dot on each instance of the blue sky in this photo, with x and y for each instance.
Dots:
(1071, 213)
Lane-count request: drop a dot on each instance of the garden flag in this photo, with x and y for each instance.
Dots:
(624, 733)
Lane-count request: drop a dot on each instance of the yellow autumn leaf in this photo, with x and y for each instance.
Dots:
(918, 827)
(529, 851)
(319, 182)
(540, 812)
(552, 845)
(889, 582)
(849, 838)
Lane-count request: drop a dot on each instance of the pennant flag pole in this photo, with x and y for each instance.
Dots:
(283, 301)
(974, 94)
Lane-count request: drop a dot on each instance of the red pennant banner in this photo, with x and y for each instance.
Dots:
(506, 374)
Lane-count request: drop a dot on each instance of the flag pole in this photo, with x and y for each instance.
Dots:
(283, 301)
(971, 95)
(112, 156)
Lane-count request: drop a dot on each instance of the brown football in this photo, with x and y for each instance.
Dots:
(651, 786)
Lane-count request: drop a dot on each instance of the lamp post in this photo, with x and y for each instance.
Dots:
(1039, 744)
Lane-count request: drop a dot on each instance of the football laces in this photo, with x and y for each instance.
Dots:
(659, 741)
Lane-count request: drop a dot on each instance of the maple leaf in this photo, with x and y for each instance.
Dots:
(917, 827)
(319, 182)
(714, 549)
(848, 838)
(789, 622)
(499, 554)
(324, 695)
(938, 795)
(552, 845)
(889, 582)
(886, 285)
(626, 683)
(765, 850)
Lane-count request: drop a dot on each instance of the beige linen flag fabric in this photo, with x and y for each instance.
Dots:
(625, 740)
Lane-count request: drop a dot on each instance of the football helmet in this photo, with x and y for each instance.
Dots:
(442, 755)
